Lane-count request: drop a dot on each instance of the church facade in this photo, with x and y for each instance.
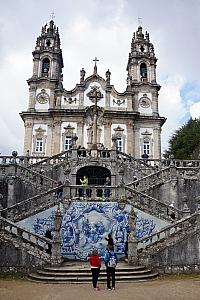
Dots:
(93, 114)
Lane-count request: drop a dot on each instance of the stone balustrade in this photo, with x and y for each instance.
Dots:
(38, 180)
(152, 180)
(32, 242)
(169, 234)
(151, 205)
(95, 193)
(30, 206)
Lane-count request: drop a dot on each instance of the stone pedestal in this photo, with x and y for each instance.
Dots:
(132, 250)
(56, 257)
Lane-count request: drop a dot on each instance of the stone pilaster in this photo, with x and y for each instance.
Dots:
(28, 136)
(56, 137)
(107, 134)
(80, 127)
(36, 66)
(130, 138)
(136, 149)
(157, 143)
(107, 102)
(32, 96)
(49, 140)
(155, 102)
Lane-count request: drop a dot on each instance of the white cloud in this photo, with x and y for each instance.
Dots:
(171, 106)
(195, 110)
(104, 29)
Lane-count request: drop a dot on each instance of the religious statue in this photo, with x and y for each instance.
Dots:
(82, 74)
(108, 73)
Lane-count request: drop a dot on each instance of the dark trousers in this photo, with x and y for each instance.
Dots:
(95, 276)
(110, 273)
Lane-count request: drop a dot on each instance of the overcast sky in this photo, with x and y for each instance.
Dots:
(104, 29)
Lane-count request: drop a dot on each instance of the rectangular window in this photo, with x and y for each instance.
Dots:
(146, 147)
(67, 144)
(39, 145)
(119, 144)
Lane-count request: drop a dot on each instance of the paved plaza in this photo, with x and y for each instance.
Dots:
(167, 289)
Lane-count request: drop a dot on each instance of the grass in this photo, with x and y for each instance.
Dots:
(179, 276)
(17, 276)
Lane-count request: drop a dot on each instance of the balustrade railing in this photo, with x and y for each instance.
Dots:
(169, 233)
(94, 193)
(31, 241)
(37, 179)
(152, 205)
(30, 206)
(151, 180)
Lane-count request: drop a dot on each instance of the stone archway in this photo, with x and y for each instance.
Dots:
(96, 175)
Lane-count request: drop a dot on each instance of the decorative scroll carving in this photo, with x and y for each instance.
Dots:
(118, 102)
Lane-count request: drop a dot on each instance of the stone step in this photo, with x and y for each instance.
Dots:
(76, 279)
(80, 272)
(88, 272)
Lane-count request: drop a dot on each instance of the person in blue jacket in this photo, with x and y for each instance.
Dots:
(110, 260)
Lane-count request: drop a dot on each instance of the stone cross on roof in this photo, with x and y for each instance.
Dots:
(95, 65)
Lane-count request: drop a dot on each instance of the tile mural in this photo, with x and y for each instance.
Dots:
(86, 225)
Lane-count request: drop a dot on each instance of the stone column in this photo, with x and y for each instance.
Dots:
(56, 257)
(132, 243)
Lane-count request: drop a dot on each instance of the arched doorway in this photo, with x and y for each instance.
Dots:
(96, 175)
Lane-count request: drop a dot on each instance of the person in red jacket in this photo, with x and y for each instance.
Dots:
(95, 264)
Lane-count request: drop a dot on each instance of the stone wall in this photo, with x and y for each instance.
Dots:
(182, 256)
(13, 259)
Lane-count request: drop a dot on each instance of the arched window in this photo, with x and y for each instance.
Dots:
(146, 146)
(143, 70)
(45, 67)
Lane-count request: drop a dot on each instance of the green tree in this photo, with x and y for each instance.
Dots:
(185, 142)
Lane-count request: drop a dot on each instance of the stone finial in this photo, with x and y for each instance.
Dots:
(108, 73)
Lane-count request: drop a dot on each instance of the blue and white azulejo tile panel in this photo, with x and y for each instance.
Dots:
(86, 225)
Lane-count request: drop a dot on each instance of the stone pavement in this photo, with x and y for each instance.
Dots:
(173, 289)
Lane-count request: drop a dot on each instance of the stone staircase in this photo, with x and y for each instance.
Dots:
(168, 236)
(151, 205)
(34, 244)
(79, 272)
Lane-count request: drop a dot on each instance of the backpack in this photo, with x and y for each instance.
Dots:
(112, 263)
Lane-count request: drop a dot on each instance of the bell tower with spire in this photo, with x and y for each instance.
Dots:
(47, 67)
(45, 85)
(141, 83)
